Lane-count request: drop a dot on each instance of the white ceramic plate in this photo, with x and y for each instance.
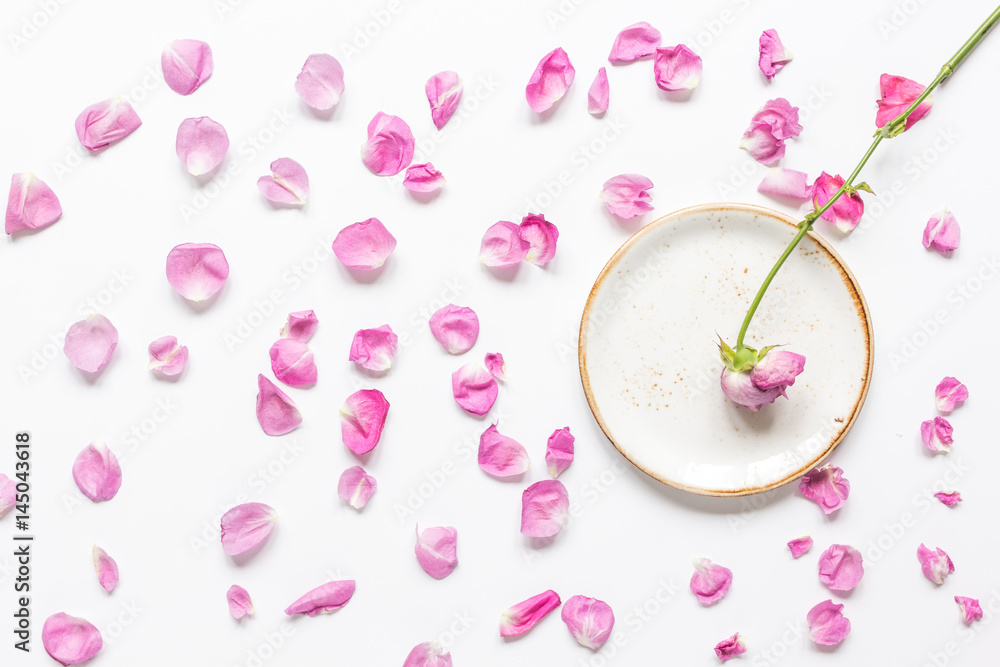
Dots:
(650, 364)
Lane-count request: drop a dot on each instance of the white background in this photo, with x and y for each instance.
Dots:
(632, 539)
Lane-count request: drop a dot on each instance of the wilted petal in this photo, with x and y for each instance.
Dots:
(942, 232)
(324, 599)
(475, 390)
(781, 182)
(634, 42)
(7, 493)
(710, 582)
(559, 451)
(90, 342)
(70, 640)
(971, 611)
(31, 204)
(197, 270)
(541, 236)
(840, 567)
(729, 648)
(423, 178)
(186, 64)
(550, 81)
(800, 546)
(898, 93)
(239, 601)
(827, 625)
(773, 54)
(292, 362)
(781, 117)
(500, 455)
(455, 327)
(597, 96)
(321, 81)
(826, 487)
(436, 550)
(106, 122)
(503, 246)
(949, 498)
(950, 393)
(444, 92)
(106, 568)
(428, 654)
(364, 245)
(300, 325)
(677, 68)
(627, 195)
(167, 357)
(96, 472)
(935, 563)
(525, 615)
(245, 526)
(276, 412)
(374, 349)
(544, 508)
(362, 419)
(496, 365)
(356, 487)
(201, 144)
(389, 149)
(937, 434)
(846, 212)
(589, 620)
(288, 183)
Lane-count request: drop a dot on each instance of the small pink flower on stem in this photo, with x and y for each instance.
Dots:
(362, 419)
(544, 508)
(827, 625)
(971, 611)
(627, 195)
(636, 41)
(936, 434)
(444, 92)
(474, 388)
(356, 487)
(840, 567)
(276, 411)
(523, 616)
(800, 546)
(245, 526)
(826, 486)
(324, 599)
(96, 472)
(760, 379)
(729, 648)
(320, 83)
(428, 654)
(70, 640)
(559, 451)
(374, 349)
(501, 456)
(106, 122)
(167, 357)
(846, 212)
(436, 550)
(676, 68)
(456, 328)
(389, 149)
(598, 95)
(898, 93)
(288, 184)
(942, 233)
(186, 64)
(89, 343)
(551, 79)
(949, 394)
(710, 582)
(239, 601)
(201, 144)
(589, 620)
(31, 204)
(936, 564)
(106, 568)
(773, 54)
(949, 498)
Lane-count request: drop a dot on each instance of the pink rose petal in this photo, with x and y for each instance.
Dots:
(826, 487)
(559, 451)
(770, 126)
(549, 82)
(840, 567)
(496, 365)
(364, 245)
(428, 654)
(827, 625)
(949, 498)
(321, 81)
(677, 68)
(186, 64)
(523, 616)
(636, 41)
(240, 604)
(846, 212)
(710, 582)
(106, 122)
(942, 233)
(292, 362)
(96, 472)
(276, 411)
(789, 183)
(167, 357)
(936, 434)
(300, 325)
(935, 563)
(31, 204)
(389, 149)
(474, 389)
(627, 196)
(729, 648)
(197, 270)
(362, 419)
(423, 178)
(245, 526)
(455, 327)
(541, 236)
(70, 640)
(324, 599)
(971, 611)
(8, 494)
(356, 487)
(500, 455)
(597, 96)
(288, 184)
(374, 349)
(201, 144)
(89, 343)
(773, 54)
(950, 393)
(800, 546)
(589, 620)
(444, 92)
(544, 508)
(436, 550)
(503, 246)
(898, 93)
(761, 143)
(106, 568)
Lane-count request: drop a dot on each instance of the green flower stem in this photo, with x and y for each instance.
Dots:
(891, 129)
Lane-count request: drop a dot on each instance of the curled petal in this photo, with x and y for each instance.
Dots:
(436, 550)
(444, 92)
(240, 604)
(677, 68)
(201, 144)
(559, 451)
(324, 599)
(428, 654)
(475, 390)
(186, 64)
(826, 487)
(276, 412)
(627, 195)
(374, 349)
(96, 472)
(827, 625)
(935, 563)
(781, 116)
(773, 54)
(761, 143)
(287, 185)
(70, 640)
(167, 357)
(500, 455)
(949, 394)
(710, 582)
(31, 204)
(245, 526)
(541, 236)
(321, 81)
(800, 546)
(971, 611)
(89, 343)
(729, 648)
(106, 122)
(840, 567)
(389, 149)
(455, 327)
(781, 182)
(525, 615)
(356, 487)
(503, 246)
(423, 178)
(589, 620)
(300, 325)
(362, 419)
(292, 362)
(544, 508)
(937, 434)
(496, 365)
(942, 232)
(949, 498)
(597, 96)
(106, 568)
(846, 212)
(197, 270)
(898, 93)
(550, 81)
(636, 41)
(7, 493)
(364, 245)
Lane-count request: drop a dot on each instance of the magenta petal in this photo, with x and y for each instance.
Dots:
(364, 245)
(186, 64)
(729, 648)
(276, 412)
(500, 455)
(356, 487)
(800, 546)
(106, 568)
(70, 640)
(935, 563)
(773, 54)
(201, 144)
(597, 96)
(197, 270)
(781, 182)
(428, 654)
(106, 122)
(96, 472)
(763, 146)
(559, 451)
(677, 68)
(634, 42)
(239, 601)
(826, 487)
(503, 246)
(167, 357)
(942, 233)
(710, 582)
(781, 117)
(475, 390)
(589, 620)
(455, 327)
(496, 365)
(292, 362)
(544, 508)
(389, 149)
(936, 434)
(362, 419)
(950, 393)
(245, 526)
(444, 92)
(300, 325)
(949, 498)
(436, 550)
(827, 625)
(324, 599)
(840, 567)
(541, 236)
(550, 81)
(846, 212)
(288, 183)
(971, 611)
(423, 178)
(374, 349)
(8, 494)
(627, 195)
(89, 343)
(321, 81)
(31, 204)
(898, 93)
(525, 615)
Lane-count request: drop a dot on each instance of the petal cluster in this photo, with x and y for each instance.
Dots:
(770, 127)
(765, 382)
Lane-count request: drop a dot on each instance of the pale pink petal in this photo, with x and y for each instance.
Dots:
(197, 270)
(729, 648)
(300, 325)
(31, 204)
(496, 365)
(677, 68)
(781, 116)
(374, 349)
(423, 178)
(444, 92)
(589, 620)
(935, 563)
(167, 357)
(773, 54)
(70, 640)
(949, 498)
(96, 472)
(321, 81)
(597, 96)
(89, 343)
(356, 487)
(362, 419)
(846, 212)
(840, 567)
(245, 526)
(324, 599)
(106, 122)
(950, 393)
(800, 546)
(627, 196)
(436, 550)
(240, 604)
(826, 487)
(276, 411)
(287, 185)
(455, 327)
(937, 434)
(364, 245)
(428, 654)
(898, 93)
(503, 246)
(500, 455)
(971, 611)
(761, 143)
(106, 568)
(186, 64)
(541, 236)
(8, 493)
(549, 82)
(559, 451)
(475, 390)
(544, 508)
(710, 582)
(781, 182)
(389, 149)
(292, 362)
(525, 615)
(942, 232)
(636, 41)
(201, 144)
(827, 625)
